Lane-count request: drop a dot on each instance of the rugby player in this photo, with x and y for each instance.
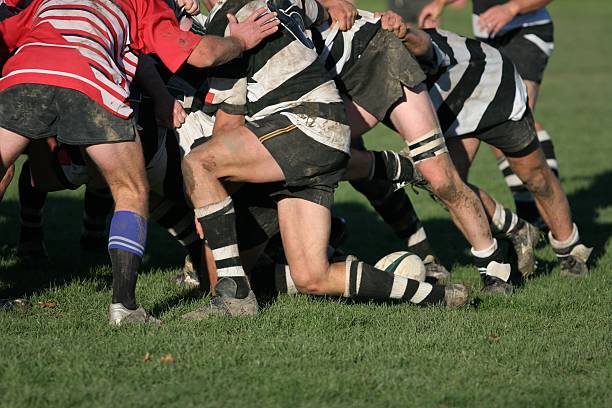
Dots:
(69, 77)
(394, 90)
(452, 60)
(523, 31)
(296, 136)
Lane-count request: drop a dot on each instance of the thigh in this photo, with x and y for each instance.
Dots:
(415, 116)
(119, 163)
(238, 155)
(359, 119)
(11, 146)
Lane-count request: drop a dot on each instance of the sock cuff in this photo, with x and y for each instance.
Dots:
(128, 231)
(574, 238)
(485, 253)
(419, 236)
(225, 206)
(543, 135)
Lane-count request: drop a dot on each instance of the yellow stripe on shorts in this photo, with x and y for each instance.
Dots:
(276, 132)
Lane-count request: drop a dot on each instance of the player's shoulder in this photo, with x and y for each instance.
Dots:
(216, 23)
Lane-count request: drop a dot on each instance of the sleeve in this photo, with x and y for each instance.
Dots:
(13, 29)
(159, 33)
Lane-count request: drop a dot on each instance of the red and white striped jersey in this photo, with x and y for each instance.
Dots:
(91, 46)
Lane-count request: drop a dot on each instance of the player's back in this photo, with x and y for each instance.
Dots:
(283, 71)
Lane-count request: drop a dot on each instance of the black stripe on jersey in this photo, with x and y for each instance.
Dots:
(501, 106)
(442, 43)
(452, 105)
(294, 88)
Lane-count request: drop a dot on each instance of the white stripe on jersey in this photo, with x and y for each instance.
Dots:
(468, 118)
(447, 82)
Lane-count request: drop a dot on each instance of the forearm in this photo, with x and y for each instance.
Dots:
(149, 81)
(526, 6)
(212, 51)
(418, 42)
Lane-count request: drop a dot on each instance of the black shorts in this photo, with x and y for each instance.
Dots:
(312, 170)
(39, 111)
(529, 48)
(376, 80)
(513, 138)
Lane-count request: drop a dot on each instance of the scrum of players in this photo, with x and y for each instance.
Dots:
(233, 130)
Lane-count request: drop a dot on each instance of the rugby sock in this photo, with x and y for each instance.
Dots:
(31, 203)
(504, 221)
(398, 212)
(219, 223)
(98, 204)
(523, 199)
(126, 243)
(491, 261)
(389, 165)
(365, 281)
(563, 248)
(177, 219)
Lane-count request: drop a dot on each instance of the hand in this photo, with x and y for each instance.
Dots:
(254, 29)
(430, 15)
(496, 18)
(391, 21)
(343, 13)
(178, 114)
(169, 113)
(191, 6)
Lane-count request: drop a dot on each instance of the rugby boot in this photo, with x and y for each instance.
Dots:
(434, 269)
(525, 237)
(495, 285)
(574, 264)
(225, 303)
(497, 270)
(119, 314)
(456, 295)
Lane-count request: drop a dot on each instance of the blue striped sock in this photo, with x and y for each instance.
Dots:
(128, 231)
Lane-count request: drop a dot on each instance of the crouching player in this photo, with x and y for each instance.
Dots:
(297, 136)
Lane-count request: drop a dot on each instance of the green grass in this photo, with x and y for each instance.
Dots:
(547, 345)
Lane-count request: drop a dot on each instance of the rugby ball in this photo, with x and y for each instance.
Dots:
(403, 263)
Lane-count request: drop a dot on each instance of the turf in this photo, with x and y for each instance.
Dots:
(547, 345)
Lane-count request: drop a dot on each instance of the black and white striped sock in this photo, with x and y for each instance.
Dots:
(219, 223)
(491, 261)
(31, 202)
(504, 221)
(177, 219)
(365, 281)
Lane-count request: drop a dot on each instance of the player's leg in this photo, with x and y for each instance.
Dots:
(31, 245)
(503, 222)
(97, 207)
(236, 155)
(397, 211)
(311, 272)
(11, 146)
(552, 204)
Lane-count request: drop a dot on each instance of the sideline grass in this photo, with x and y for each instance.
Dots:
(548, 345)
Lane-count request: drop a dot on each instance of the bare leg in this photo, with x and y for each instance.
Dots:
(11, 146)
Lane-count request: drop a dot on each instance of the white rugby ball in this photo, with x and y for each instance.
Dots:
(403, 263)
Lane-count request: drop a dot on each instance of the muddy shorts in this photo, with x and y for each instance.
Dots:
(513, 138)
(40, 111)
(376, 80)
(312, 170)
(529, 48)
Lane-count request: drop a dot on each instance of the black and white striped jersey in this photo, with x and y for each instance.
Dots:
(473, 86)
(339, 50)
(281, 75)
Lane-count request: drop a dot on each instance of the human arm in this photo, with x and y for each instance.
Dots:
(213, 51)
(429, 17)
(417, 41)
(169, 113)
(497, 17)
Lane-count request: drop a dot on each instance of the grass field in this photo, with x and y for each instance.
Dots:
(550, 344)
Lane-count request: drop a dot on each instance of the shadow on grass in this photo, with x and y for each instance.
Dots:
(369, 238)
(67, 262)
